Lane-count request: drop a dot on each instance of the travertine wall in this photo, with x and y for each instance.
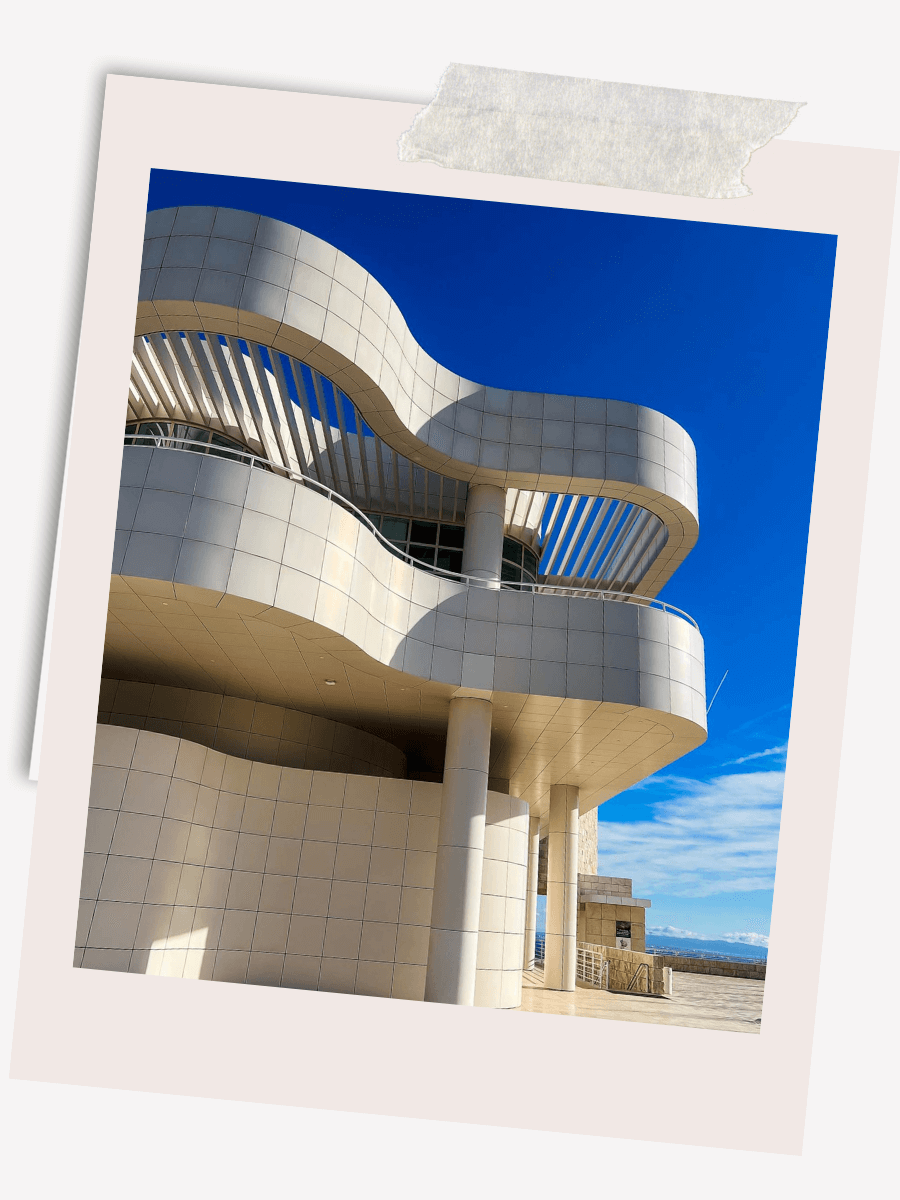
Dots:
(587, 843)
(208, 866)
(713, 966)
(623, 966)
(597, 924)
(610, 885)
(250, 729)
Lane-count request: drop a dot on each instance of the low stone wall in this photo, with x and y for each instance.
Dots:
(623, 966)
(713, 966)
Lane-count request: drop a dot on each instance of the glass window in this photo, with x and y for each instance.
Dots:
(424, 532)
(449, 560)
(512, 551)
(438, 544)
(395, 528)
(452, 536)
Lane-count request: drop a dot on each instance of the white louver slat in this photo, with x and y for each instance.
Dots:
(284, 410)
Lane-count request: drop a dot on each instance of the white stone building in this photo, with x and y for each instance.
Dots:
(374, 631)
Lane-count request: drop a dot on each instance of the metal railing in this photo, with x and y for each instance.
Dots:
(186, 445)
(642, 968)
(592, 967)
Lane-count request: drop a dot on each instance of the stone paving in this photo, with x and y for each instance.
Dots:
(699, 1002)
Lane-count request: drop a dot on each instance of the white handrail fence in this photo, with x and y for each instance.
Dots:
(185, 445)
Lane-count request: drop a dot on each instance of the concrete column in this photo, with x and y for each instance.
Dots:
(485, 522)
(534, 842)
(562, 890)
(456, 908)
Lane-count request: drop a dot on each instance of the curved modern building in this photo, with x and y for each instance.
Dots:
(374, 632)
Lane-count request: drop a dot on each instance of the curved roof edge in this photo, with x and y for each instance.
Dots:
(225, 271)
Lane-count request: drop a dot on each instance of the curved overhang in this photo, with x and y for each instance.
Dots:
(241, 275)
(239, 581)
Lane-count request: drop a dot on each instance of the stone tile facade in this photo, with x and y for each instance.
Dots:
(597, 924)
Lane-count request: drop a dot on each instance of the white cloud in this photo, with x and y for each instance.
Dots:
(705, 838)
(780, 750)
(746, 939)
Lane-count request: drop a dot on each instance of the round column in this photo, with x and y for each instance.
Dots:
(560, 958)
(531, 893)
(485, 523)
(456, 908)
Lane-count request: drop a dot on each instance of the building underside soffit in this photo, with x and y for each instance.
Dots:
(238, 650)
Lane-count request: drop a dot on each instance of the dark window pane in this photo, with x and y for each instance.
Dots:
(423, 554)
(509, 573)
(449, 560)
(424, 531)
(512, 550)
(531, 564)
(452, 536)
(394, 528)
(623, 929)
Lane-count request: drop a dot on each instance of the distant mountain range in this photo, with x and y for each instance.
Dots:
(703, 947)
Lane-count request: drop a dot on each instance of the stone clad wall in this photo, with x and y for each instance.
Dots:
(587, 843)
(204, 865)
(713, 966)
(597, 924)
(624, 963)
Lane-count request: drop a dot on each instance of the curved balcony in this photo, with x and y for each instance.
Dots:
(233, 580)
(284, 291)
(163, 439)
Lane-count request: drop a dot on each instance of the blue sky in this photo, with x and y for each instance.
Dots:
(722, 328)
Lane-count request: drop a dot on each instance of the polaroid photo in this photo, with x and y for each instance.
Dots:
(443, 651)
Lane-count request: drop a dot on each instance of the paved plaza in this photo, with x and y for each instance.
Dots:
(699, 1002)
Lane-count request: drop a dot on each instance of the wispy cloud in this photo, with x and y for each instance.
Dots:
(780, 750)
(745, 939)
(674, 931)
(705, 838)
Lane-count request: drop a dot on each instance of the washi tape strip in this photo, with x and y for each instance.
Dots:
(624, 135)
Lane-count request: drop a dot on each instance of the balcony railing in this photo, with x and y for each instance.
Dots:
(185, 445)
